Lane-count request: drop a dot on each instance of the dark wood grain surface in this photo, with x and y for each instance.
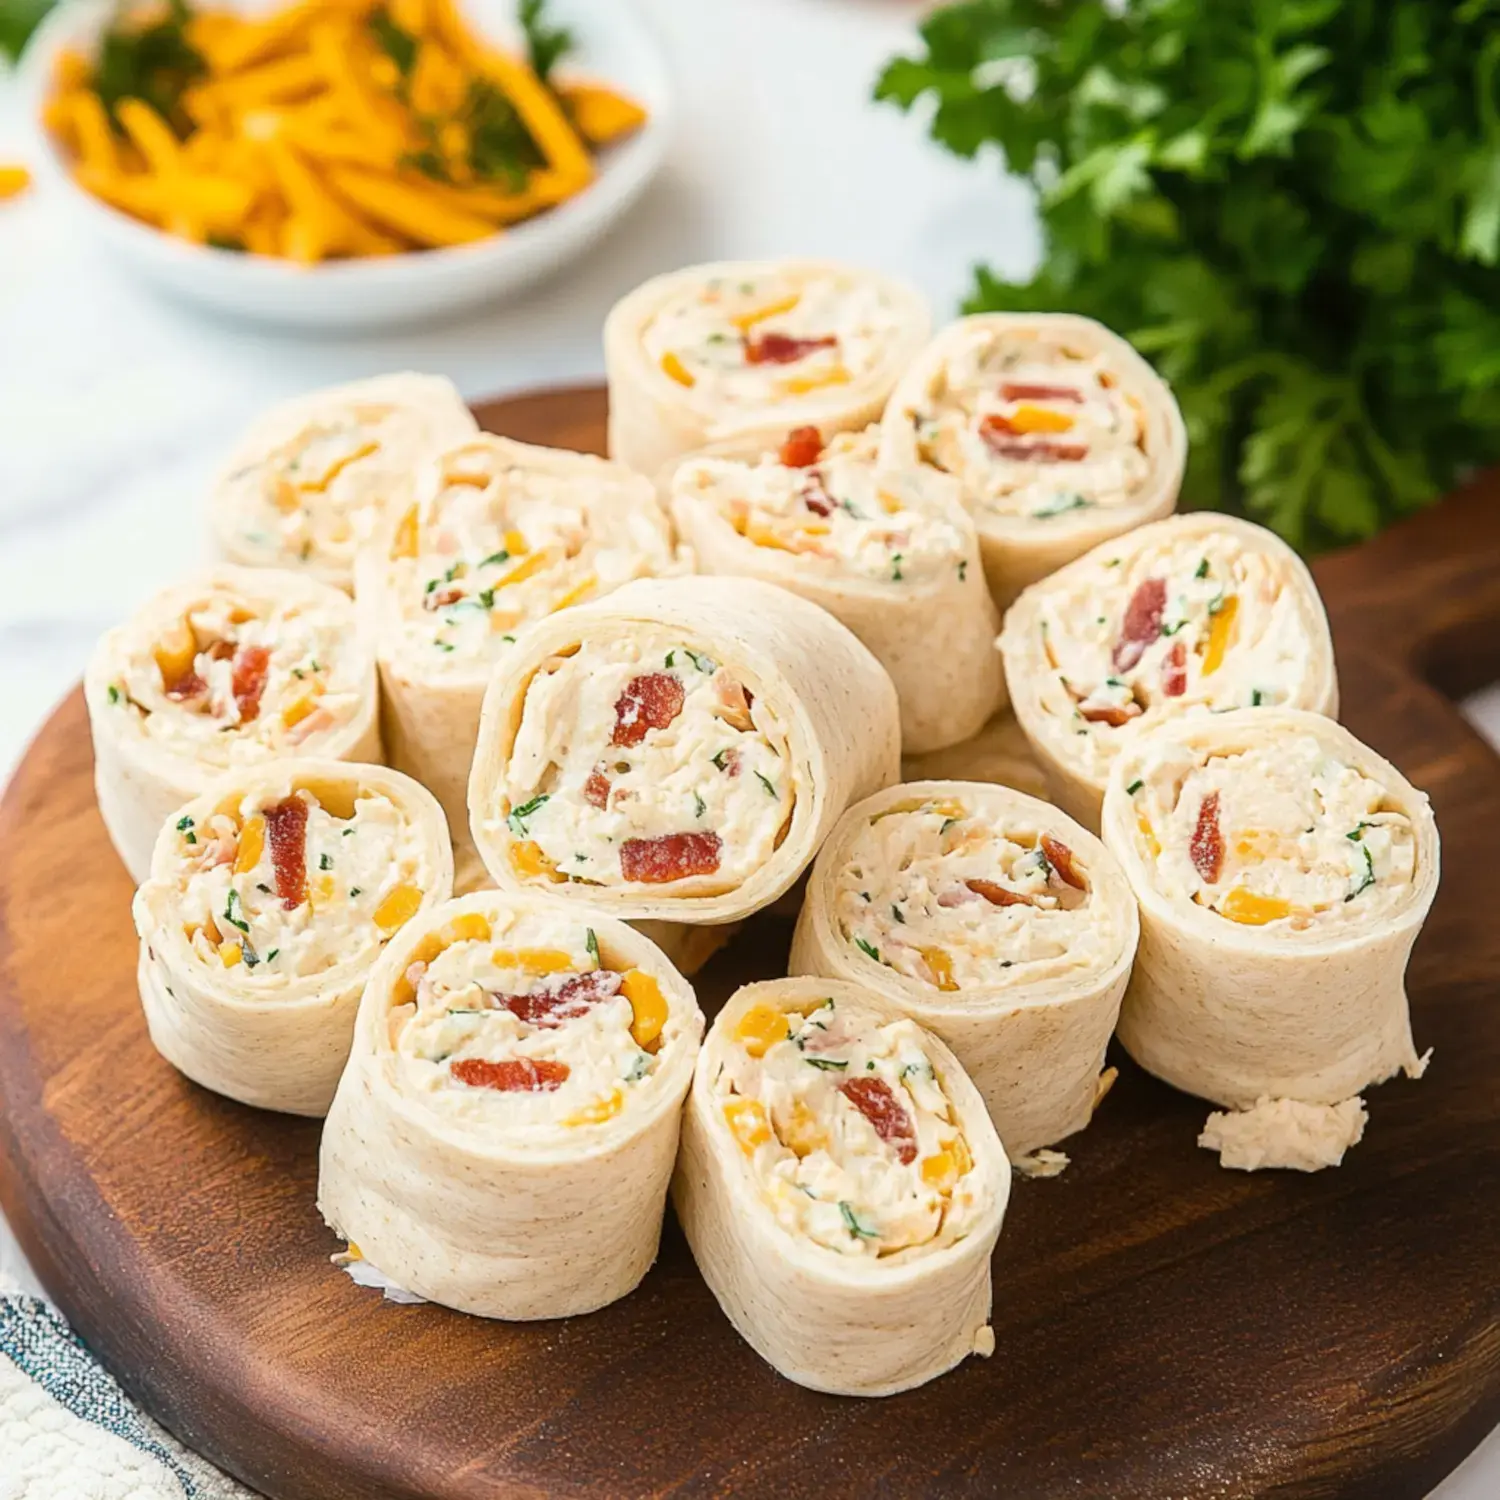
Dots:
(1163, 1328)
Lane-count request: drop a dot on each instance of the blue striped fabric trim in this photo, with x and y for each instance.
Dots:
(34, 1336)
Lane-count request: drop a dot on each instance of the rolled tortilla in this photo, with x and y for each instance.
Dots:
(313, 477)
(841, 1187)
(726, 350)
(233, 668)
(1000, 752)
(994, 921)
(679, 750)
(1197, 613)
(889, 552)
(1059, 433)
(500, 534)
(502, 1138)
(1283, 871)
(271, 896)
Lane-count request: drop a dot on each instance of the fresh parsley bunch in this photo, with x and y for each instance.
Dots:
(1291, 206)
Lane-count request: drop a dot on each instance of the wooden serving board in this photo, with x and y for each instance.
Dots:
(1163, 1327)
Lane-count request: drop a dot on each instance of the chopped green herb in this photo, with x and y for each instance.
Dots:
(1134, 787)
(445, 645)
(113, 693)
(769, 786)
(699, 806)
(947, 824)
(867, 948)
(518, 816)
(591, 943)
(509, 640)
(502, 556)
(896, 568)
(963, 569)
(640, 1065)
(1356, 833)
(1202, 569)
(230, 902)
(1366, 877)
(348, 833)
(671, 658)
(184, 823)
(921, 1069)
(486, 599)
(432, 584)
(705, 664)
(851, 1222)
(827, 1064)
(264, 889)
(1256, 697)
(896, 913)
(325, 861)
(272, 954)
(1216, 603)
(545, 43)
(721, 759)
(354, 890)
(1062, 504)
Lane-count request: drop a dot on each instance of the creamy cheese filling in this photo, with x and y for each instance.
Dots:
(772, 336)
(493, 545)
(520, 1022)
(320, 490)
(1282, 835)
(1033, 427)
(1195, 622)
(850, 1138)
(939, 893)
(283, 887)
(645, 762)
(232, 678)
(832, 507)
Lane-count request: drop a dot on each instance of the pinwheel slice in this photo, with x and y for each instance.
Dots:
(996, 922)
(1283, 871)
(1059, 434)
(678, 750)
(841, 1187)
(723, 351)
(271, 896)
(502, 1138)
(890, 552)
(1197, 613)
(315, 475)
(233, 668)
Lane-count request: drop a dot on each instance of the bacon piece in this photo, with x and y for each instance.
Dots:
(247, 680)
(596, 789)
(1206, 847)
(999, 437)
(187, 687)
(526, 1075)
(672, 856)
(1142, 623)
(1060, 857)
(1174, 671)
(1113, 714)
(441, 598)
(801, 448)
(877, 1102)
(816, 498)
(574, 997)
(997, 895)
(1019, 390)
(220, 651)
(783, 349)
(649, 702)
(286, 826)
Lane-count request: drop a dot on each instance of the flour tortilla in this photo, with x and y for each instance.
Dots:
(834, 701)
(653, 420)
(481, 1222)
(827, 1321)
(267, 1041)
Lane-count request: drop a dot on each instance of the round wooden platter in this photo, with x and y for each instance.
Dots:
(1162, 1327)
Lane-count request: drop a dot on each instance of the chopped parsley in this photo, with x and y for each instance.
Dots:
(1134, 787)
(963, 569)
(1063, 503)
(354, 890)
(896, 913)
(325, 861)
(1202, 569)
(1216, 603)
(113, 693)
(1355, 833)
(827, 1064)
(445, 645)
(1366, 878)
(705, 664)
(517, 819)
(591, 943)
(852, 1224)
(185, 827)
(1256, 697)
(896, 567)
(720, 760)
(348, 833)
(867, 948)
(699, 806)
(497, 558)
(486, 599)
(232, 901)
(272, 954)
(769, 786)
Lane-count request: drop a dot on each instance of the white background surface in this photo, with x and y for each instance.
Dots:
(115, 405)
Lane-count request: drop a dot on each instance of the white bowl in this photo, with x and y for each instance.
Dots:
(614, 45)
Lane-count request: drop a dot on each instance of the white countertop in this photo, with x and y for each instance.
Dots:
(116, 405)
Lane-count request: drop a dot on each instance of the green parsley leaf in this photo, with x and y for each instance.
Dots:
(591, 943)
(518, 816)
(867, 948)
(853, 1225)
